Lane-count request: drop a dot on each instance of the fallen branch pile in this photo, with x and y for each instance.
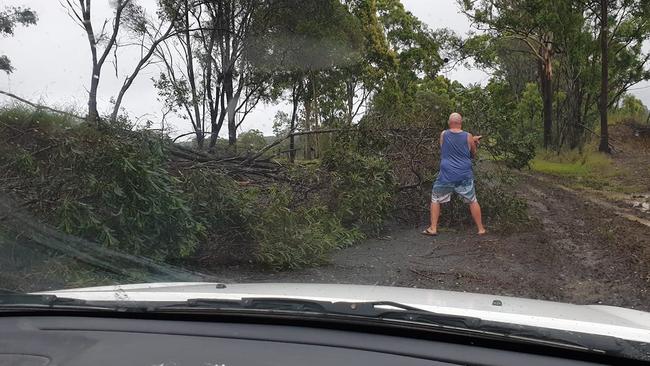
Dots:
(238, 167)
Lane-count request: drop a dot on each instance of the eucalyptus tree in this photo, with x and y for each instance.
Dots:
(622, 26)
(306, 50)
(416, 53)
(206, 75)
(533, 22)
(101, 44)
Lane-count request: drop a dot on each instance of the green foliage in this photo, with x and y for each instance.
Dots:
(494, 113)
(520, 33)
(109, 186)
(252, 140)
(114, 186)
(633, 106)
(502, 209)
(298, 237)
(631, 110)
(529, 110)
(362, 187)
(9, 18)
(309, 35)
(129, 201)
(220, 205)
(281, 124)
(18, 116)
(24, 162)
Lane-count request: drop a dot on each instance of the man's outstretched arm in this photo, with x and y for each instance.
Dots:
(473, 142)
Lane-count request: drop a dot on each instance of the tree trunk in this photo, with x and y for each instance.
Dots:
(292, 127)
(230, 111)
(350, 99)
(307, 139)
(546, 79)
(97, 61)
(575, 138)
(216, 120)
(93, 114)
(604, 87)
(213, 105)
(200, 131)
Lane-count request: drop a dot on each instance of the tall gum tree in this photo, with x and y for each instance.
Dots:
(101, 44)
(533, 22)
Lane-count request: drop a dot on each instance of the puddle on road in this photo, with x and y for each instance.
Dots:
(639, 201)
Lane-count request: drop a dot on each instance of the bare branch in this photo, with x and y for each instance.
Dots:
(40, 106)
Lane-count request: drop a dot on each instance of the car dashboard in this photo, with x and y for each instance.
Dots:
(87, 340)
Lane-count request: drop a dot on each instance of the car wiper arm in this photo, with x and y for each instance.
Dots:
(391, 311)
(4, 291)
(29, 301)
(373, 309)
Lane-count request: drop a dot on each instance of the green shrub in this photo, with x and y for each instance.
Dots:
(502, 209)
(299, 237)
(127, 199)
(23, 162)
(225, 209)
(362, 187)
(109, 186)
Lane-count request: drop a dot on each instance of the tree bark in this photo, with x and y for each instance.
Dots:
(200, 131)
(97, 62)
(575, 138)
(292, 127)
(604, 87)
(307, 140)
(350, 99)
(93, 114)
(546, 78)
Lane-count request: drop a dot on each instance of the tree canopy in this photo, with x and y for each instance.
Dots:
(11, 17)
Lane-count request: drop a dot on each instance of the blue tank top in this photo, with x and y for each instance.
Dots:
(456, 159)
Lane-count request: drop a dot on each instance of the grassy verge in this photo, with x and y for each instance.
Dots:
(588, 169)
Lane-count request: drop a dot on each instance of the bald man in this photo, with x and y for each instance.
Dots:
(458, 148)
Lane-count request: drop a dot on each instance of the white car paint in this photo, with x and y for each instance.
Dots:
(594, 319)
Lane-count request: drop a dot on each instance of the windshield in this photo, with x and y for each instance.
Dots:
(483, 147)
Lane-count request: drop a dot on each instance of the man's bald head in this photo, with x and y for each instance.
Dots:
(455, 120)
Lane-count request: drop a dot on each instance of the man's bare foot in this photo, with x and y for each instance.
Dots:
(482, 232)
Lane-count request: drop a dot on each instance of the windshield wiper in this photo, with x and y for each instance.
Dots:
(404, 314)
(14, 301)
(4, 291)
(374, 309)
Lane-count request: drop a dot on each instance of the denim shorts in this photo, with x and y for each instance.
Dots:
(441, 192)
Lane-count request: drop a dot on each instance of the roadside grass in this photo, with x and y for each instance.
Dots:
(618, 118)
(588, 169)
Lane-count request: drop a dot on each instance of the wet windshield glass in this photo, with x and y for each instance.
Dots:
(490, 147)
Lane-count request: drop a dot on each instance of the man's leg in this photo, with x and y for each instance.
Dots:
(435, 214)
(475, 209)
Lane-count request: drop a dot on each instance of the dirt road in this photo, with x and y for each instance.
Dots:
(577, 253)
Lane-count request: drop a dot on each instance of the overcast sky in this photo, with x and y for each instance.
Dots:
(52, 62)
